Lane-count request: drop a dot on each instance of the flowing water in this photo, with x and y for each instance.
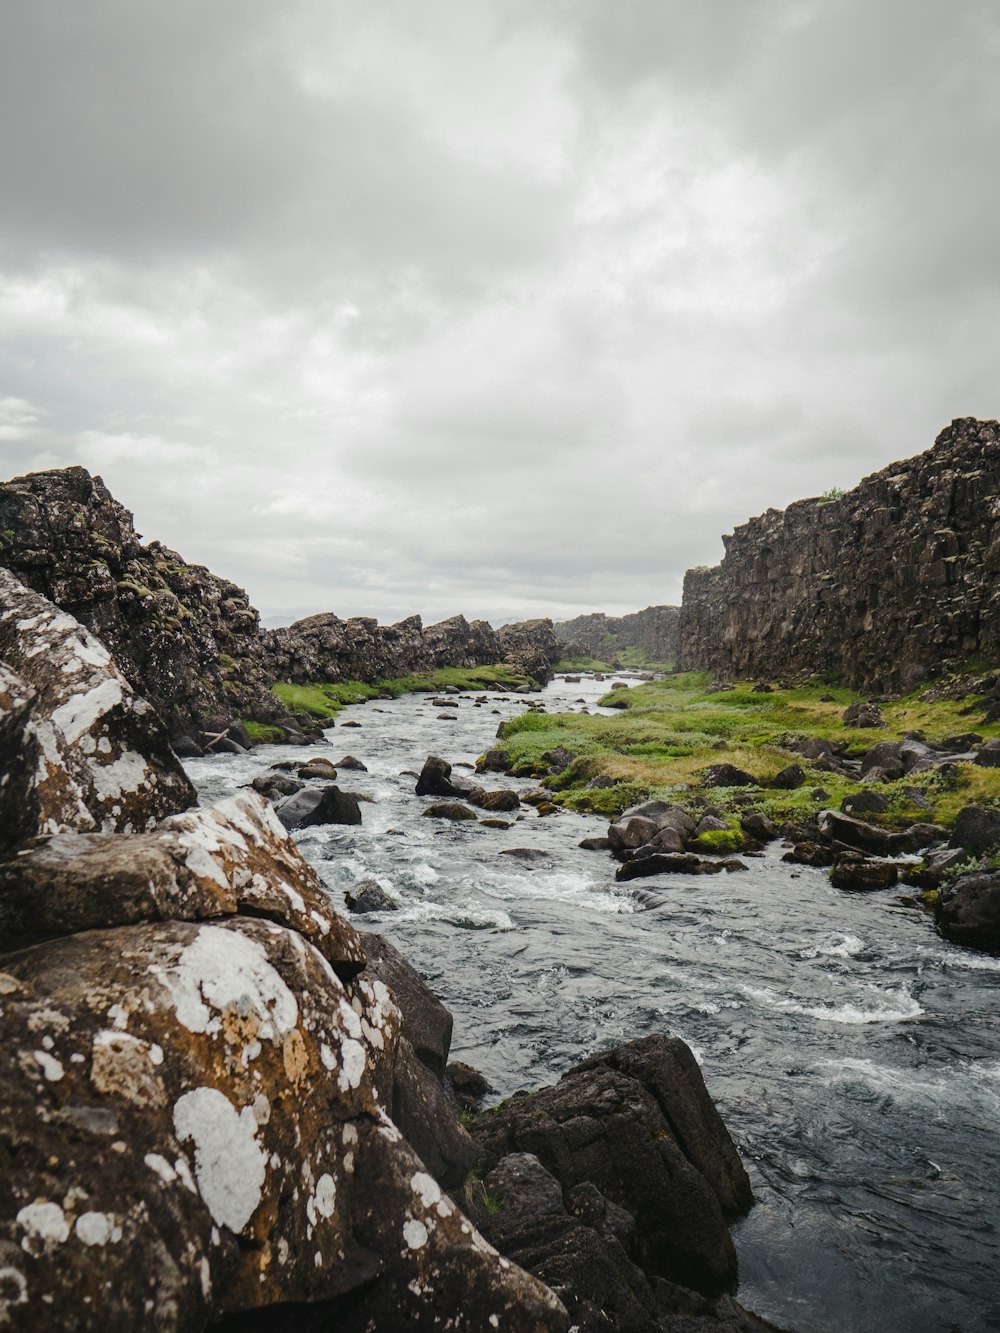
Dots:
(853, 1053)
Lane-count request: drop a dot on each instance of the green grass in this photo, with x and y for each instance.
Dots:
(672, 729)
(325, 699)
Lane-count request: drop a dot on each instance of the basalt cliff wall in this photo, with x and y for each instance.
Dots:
(189, 641)
(892, 583)
(654, 630)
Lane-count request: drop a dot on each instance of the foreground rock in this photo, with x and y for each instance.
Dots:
(968, 910)
(617, 1182)
(83, 750)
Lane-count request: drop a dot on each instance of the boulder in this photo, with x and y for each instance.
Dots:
(860, 714)
(323, 805)
(497, 800)
(595, 844)
(758, 827)
(989, 755)
(861, 874)
(468, 1085)
(788, 778)
(435, 780)
(531, 857)
(421, 1110)
(886, 756)
(276, 785)
(560, 758)
(727, 775)
(454, 810)
(855, 833)
(865, 803)
(977, 829)
(426, 1023)
(317, 767)
(638, 1125)
(667, 863)
(350, 764)
(626, 834)
(810, 854)
(87, 753)
(968, 910)
(213, 1052)
(369, 896)
(493, 761)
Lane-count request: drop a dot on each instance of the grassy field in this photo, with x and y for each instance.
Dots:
(673, 728)
(325, 700)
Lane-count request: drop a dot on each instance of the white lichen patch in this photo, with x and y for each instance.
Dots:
(44, 1221)
(415, 1234)
(81, 711)
(229, 1165)
(97, 1229)
(353, 1062)
(222, 969)
(326, 1195)
(426, 1188)
(51, 1067)
(161, 1167)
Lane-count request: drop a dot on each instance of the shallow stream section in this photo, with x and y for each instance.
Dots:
(853, 1053)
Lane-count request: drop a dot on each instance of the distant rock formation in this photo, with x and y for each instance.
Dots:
(188, 640)
(889, 584)
(654, 630)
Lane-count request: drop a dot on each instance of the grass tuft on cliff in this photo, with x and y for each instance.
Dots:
(672, 729)
(325, 699)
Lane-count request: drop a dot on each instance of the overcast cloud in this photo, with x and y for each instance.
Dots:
(508, 307)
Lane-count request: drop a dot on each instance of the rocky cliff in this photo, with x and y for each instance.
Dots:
(189, 641)
(890, 584)
(654, 630)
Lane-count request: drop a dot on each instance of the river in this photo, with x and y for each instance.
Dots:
(852, 1052)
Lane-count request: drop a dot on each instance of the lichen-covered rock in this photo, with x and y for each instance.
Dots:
(92, 754)
(193, 1126)
(426, 1023)
(892, 583)
(233, 857)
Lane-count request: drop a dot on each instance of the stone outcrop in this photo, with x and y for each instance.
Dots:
(82, 751)
(185, 639)
(892, 583)
(324, 647)
(189, 641)
(597, 635)
(212, 1105)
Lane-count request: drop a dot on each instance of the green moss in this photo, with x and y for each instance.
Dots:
(261, 734)
(719, 841)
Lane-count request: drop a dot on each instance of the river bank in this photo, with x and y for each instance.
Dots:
(850, 1049)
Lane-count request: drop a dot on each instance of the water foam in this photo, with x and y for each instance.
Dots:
(890, 1006)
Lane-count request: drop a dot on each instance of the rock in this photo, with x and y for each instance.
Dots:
(962, 744)
(862, 874)
(727, 775)
(186, 748)
(627, 834)
(560, 758)
(810, 854)
(855, 833)
(324, 805)
(86, 752)
(420, 1109)
(496, 823)
(180, 1222)
(977, 829)
(936, 867)
(595, 844)
(968, 910)
(758, 827)
(436, 780)
(666, 839)
(276, 785)
(710, 824)
(865, 803)
(222, 745)
(537, 796)
(350, 764)
(426, 1023)
(498, 800)
(529, 856)
(638, 1125)
(667, 863)
(447, 717)
(318, 768)
(449, 810)
(468, 1085)
(351, 724)
(493, 761)
(860, 714)
(887, 756)
(653, 629)
(989, 755)
(369, 896)
(788, 778)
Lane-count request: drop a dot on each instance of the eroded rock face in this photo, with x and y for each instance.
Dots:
(88, 753)
(653, 629)
(892, 583)
(194, 1126)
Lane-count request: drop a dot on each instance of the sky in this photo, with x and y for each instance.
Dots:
(502, 307)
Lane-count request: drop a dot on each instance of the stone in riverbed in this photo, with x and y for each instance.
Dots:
(449, 810)
(595, 844)
(324, 805)
(317, 767)
(668, 863)
(276, 785)
(369, 896)
(497, 800)
(810, 854)
(350, 763)
(968, 910)
(863, 874)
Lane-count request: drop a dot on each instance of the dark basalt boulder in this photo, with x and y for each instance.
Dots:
(968, 910)
(350, 764)
(977, 829)
(369, 896)
(595, 844)
(560, 758)
(533, 857)
(468, 1085)
(862, 837)
(638, 1126)
(860, 714)
(426, 1023)
(865, 803)
(497, 800)
(435, 780)
(989, 755)
(317, 767)
(862, 874)
(276, 785)
(727, 775)
(627, 834)
(758, 827)
(453, 810)
(325, 805)
(668, 863)
(810, 854)
(788, 778)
